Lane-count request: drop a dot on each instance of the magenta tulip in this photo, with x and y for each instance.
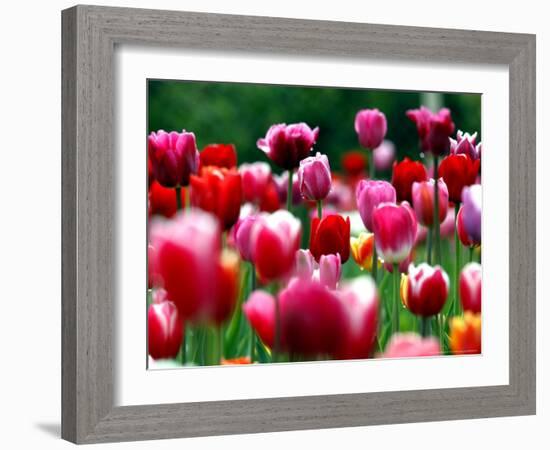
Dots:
(174, 157)
(255, 179)
(371, 127)
(369, 194)
(471, 200)
(465, 143)
(410, 345)
(427, 289)
(470, 287)
(314, 177)
(394, 229)
(433, 129)
(423, 201)
(165, 330)
(242, 233)
(287, 145)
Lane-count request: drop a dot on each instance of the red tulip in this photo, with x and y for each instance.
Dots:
(174, 157)
(423, 201)
(470, 287)
(275, 238)
(458, 171)
(287, 145)
(427, 289)
(218, 191)
(410, 345)
(404, 175)
(270, 200)
(371, 127)
(354, 163)
(162, 200)
(256, 178)
(395, 230)
(165, 330)
(330, 235)
(219, 155)
(433, 129)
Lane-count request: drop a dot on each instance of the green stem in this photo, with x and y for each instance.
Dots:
(470, 254)
(436, 213)
(320, 209)
(219, 344)
(396, 299)
(277, 337)
(252, 348)
(289, 191)
(372, 169)
(456, 308)
(374, 264)
(178, 198)
(183, 353)
(429, 239)
(425, 326)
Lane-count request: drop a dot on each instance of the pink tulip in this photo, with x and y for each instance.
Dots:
(330, 270)
(314, 177)
(275, 238)
(384, 155)
(242, 232)
(174, 157)
(410, 345)
(259, 310)
(369, 194)
(423, 201)
(394, 229)
(447, 227)
(470, 287)
(465, 143)
(371, 127)
(287, 145)
(304, 264)
(427, 289)
(471, 201)
(255, 179)
(165, 330)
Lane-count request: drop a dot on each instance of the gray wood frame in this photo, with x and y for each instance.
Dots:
(90, 34)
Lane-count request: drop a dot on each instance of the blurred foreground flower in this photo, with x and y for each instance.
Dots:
(470, 287)
(405, 173)
(330, 235)
(410, 345)
(165, 330)
(219, 155)
(465, 333)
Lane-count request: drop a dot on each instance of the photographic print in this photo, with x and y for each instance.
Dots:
(289, 224)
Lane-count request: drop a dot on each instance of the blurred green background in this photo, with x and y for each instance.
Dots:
(241, 113)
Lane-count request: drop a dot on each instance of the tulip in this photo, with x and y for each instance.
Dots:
(471, 199)
(188, 263)
(362, 249)
(369, 194)
(255, 179)
(330, 235)
(433, 129)
(304, 264)
(162, 200)
(314, 178)
(410, 345)
(470, 287)
(354, 163)
(270, 201)
(242, 235)
(287, 145)
(423, 201)
(458, 171)
(427, 289)
(465, 144)
(165, 330)
(448, 225)
(219, 155)
(218, 191)
(463, 235)
(404, 175)
(259, 310)
(394, 231)
(174, 157)
(384, 155)
(275, 238)
(281, 182)
(371, 127)
(465, 334)
(330, 270)
(403, 266)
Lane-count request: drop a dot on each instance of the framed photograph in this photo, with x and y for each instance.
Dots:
(278, 224)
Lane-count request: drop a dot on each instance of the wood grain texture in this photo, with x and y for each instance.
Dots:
(89, 201)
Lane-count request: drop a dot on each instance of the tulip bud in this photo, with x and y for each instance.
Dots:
(394, 231)
(173, 156)
(369, 194)
(330, 270)
(330, 235)
(165, 330)
(458, 171)
(404, 175)
(427, 289)
(384, 155)
(470, 287)
(423, 201)
(471, 199)
(410, 345)
(219, 155)
(255, 179)
(371, 127)
(314, 178)
(287, 145)
(362, 248)
(465, 333)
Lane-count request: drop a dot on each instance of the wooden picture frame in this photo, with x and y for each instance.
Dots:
(90, 34)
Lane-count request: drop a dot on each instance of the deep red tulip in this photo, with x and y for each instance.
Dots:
(395, 229)
(219, 155)
(270, 200)
(470, 287)
(275, 238)
(427, 289)
(371, 127)
(219, 191)
(165, 330)
(410, 345)
(458, 171)
(330, 235)
(174, 157)
(354, 163)
(433, 129)
(287, 145)
(423, 201)
(162, 200)
(256, 178)
(404, 175)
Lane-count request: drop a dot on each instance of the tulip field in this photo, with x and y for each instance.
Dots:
(318, 238)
